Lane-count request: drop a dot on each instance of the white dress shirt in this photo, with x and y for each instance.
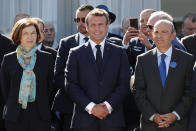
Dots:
(39, 46)
(168, 54)
(90, 106)
(81, 38)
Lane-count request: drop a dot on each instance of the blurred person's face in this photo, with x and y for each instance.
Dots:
(125, 25)
(150, 26)
(80, 21)
(97, 28)
(189, 27)
(28, 37)
(49, 32)
(19, 17)
(163, 36)
(143, 22)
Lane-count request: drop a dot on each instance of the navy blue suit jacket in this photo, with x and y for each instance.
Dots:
(192, 113)
(62, 101)
(84, 85)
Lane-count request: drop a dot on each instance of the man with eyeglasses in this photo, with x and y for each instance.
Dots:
(63, 105)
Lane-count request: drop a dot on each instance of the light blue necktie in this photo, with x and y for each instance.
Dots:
(162, 69)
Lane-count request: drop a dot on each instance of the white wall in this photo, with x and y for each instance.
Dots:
(124, 8)
(62, 12)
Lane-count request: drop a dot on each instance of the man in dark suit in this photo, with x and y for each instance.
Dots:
(162, 83)
(6, 47)
(188, 25)
(192, 113)
(97, 78)
(63, 105)
(189, 43)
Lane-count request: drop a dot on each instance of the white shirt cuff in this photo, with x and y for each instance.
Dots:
(178, 117)
(151, 118)
(109, 107)
(89, 107)
(125, 46)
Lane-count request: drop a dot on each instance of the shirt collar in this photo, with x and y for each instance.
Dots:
(93, 44)
(81, 36)
(168, 53)
(39, 46)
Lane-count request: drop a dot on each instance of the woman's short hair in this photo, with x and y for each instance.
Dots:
(20, 25)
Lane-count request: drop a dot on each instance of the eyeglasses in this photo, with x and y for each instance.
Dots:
(77, 20)
(150, 26)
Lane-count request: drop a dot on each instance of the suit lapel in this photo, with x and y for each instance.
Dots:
(90, 56)
(37, 67)
(171, 71)
(18, 69)
(106, 55)
(77, 38)
(155, 67)
(42, 47)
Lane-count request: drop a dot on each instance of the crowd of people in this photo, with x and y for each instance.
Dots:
(95, 80)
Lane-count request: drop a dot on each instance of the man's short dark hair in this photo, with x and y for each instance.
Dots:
(98, 12)
(191, 16)
(85, 7)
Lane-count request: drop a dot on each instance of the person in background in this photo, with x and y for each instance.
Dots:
(49, 35)
(20, 16)
(189, 43)
(161, 15)
(41, 46)
(192, 111)
(188, 25)
(6, 46)
(26, 80)
(112, 18)
(138, 43)
(63, 104)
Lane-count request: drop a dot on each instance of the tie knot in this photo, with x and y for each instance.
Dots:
(86, 39)
(163, 56)
(98, 47)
